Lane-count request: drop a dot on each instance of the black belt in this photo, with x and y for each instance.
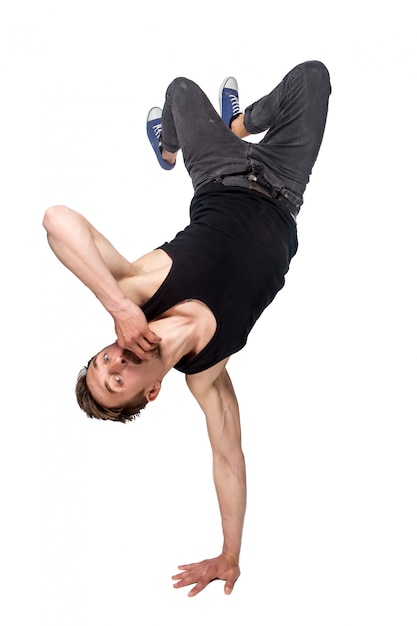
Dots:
(251, 181)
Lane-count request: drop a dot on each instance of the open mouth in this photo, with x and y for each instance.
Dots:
(130, 356)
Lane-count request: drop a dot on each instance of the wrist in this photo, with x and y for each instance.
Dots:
(231, 556)
(118, 304)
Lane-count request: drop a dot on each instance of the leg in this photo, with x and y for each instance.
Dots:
(171, 157)
(238, 127)
(294, 114)
(190, 123)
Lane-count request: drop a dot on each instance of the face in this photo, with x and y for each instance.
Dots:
(115, 376)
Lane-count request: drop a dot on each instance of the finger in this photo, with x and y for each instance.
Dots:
(146, 345)
(187, 576)
(147, 354)
(150, 336)
(201, 584)
(184, 582)
(195, 590)
(187, 566)
(140, 352)
(143, 350)
(133, 346)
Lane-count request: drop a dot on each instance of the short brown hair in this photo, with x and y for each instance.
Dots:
(93, 409)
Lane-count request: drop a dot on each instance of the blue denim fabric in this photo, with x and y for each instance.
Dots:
(293, 114)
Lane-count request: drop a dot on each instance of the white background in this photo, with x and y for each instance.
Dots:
(97, 516)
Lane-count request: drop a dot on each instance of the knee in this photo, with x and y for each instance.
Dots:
(179, 84)
(180, 81)
(317, 72)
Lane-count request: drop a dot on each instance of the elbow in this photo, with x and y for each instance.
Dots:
(231, 463)
(53, 217)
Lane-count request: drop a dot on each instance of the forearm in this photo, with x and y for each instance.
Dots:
(70, 236)
(214, 392)
(230, 483)
(93, 259)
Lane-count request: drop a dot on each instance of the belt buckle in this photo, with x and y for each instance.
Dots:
(258, 186)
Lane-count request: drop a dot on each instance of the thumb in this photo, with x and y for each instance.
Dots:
(228, 588)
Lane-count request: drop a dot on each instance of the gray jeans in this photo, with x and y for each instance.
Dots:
(293, 114)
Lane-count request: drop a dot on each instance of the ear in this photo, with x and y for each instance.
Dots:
(152, 394)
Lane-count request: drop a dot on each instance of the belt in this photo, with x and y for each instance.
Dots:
(251, 181)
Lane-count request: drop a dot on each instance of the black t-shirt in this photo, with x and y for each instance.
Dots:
(233, 257)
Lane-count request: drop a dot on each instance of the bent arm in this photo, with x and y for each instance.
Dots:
(93, 259)
(87, 254)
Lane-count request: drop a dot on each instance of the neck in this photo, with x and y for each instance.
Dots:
(185, 330)
(178, 340)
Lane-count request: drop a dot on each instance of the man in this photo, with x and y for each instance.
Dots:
(191, 303)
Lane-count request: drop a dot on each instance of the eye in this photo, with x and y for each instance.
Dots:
(106, 358)
(118, 380)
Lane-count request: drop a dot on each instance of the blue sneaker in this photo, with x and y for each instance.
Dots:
(154, 129)
(229, 100)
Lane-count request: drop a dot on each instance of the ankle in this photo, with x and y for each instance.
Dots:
(170, 157)
(238, 127)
